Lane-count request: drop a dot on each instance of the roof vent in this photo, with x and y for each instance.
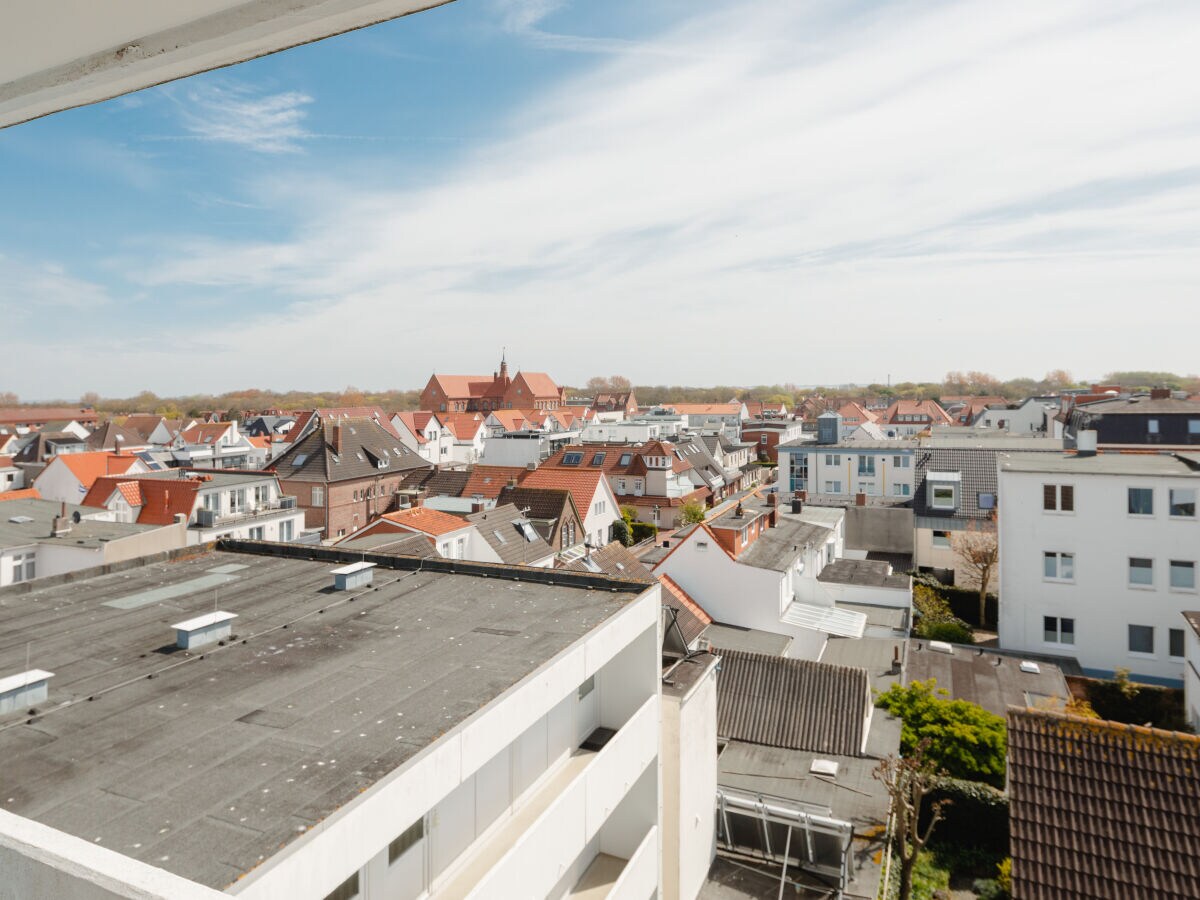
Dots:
(941, 647)
(25, 689)
(1085, 443)
(1031, 667)
(827, 767)
(355, 575)
(202, 630)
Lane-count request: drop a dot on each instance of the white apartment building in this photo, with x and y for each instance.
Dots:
(841, 471)
(428, 734)
(1098, 559)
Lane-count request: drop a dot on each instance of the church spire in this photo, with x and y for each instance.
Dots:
(503, 363)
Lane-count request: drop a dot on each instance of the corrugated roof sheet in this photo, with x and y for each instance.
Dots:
(1102, 809)
(792, 703)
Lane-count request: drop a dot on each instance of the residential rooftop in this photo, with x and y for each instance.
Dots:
(207, 763)
(30, 521)
(723, 636)
(1182, 465)
(991, 680)
(864, 572)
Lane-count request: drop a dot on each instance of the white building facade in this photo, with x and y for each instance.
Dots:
(1098, 558)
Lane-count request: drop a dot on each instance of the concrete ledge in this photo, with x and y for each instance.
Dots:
(39, 861)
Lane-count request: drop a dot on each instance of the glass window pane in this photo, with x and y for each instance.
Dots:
(1050, 629)
(1050, 565)
(1141, 501)
(1066, 567)
(1067, 627)
(1067, 493)
(1141, 639)
(1183, 574)
(1183, 502)
(1141, 571)
(1176, 641)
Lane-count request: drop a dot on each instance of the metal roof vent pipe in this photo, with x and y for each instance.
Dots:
(1085, 443)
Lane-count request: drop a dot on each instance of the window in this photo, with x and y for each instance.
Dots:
(942, 497)
(1141, 571)
(1058, 566)
(637, 485)
(406, 841)
(256, 534)
(1058, 631)
(347, 890)
(941, 539)
(568, 535)
(1183, 503)
(626, 459)
(1141, 501)
(620, 485)
(762, 438)
(833, 487)
(318, 496)
(600, 506)
(1183, 575)
(901, 462)
(1175, 642)
(598, 459)
(261, 494)
(833, 459)
(237, 501)
(866, 465)
(572, 459)
(745, 531)
(901, 490)
(985, 500)
(1193, 426)
(24, 566)
(286, 530)
(1058, 497)
(586, 687)
(1141, 639)
(1152, 426)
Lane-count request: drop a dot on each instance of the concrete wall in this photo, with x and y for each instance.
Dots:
(879, 528)
(37, 862)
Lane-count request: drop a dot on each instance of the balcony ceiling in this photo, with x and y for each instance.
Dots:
(66, 53)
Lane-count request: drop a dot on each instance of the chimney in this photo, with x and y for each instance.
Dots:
(797, 503)
(860, 499)
(773, 499)
(337, 439)
(772, 514)
(801, 495)
(477, 507)
(739, 512)
(1085, 443)
(896, 659)
(1160, 394)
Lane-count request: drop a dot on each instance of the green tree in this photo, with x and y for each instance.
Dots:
(622, 532)
(692, 513)
(964, 739)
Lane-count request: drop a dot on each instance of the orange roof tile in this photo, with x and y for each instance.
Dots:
(21, 494)
(426, 520)
(582, 483)
(489, 481)
(87, 467)
(672, 586)
(540, 384)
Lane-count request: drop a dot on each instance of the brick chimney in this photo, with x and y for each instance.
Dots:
(337, 439)
(773, 499)
(860, 499)
(1160, 394)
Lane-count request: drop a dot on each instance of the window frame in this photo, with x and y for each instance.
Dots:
(1059, 631)
(1060, 557)
(1129, 632)
(1129, 504)
(1171, 504)
(1130, 568)
(1186, 565)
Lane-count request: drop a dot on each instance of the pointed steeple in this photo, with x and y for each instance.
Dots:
(503, 365)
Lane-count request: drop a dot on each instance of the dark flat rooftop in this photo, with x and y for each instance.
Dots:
(228, 753)
(751, 640)
(991, 680)
(864, 573)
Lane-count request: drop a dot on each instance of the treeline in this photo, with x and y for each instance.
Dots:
(238, 404)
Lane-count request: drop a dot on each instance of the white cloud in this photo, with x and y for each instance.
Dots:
(235, 114)
(30, 289)
(797, 191)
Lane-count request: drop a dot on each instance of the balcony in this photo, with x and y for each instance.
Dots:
(562, 814)
(613, 878)
(212, 518)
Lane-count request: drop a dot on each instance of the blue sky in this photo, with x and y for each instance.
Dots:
(681, 192)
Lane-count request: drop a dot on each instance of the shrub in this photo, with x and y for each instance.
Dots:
(643, 531)
(692, 513)
(954, 631)
(1122, 700)
(936, 622)
(965, 740)
(622, 532)
(974, 822)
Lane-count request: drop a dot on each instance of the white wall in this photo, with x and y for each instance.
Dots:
(1103, 536)
(58, 482)
(1191, 680)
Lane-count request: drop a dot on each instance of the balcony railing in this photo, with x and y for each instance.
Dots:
(210, 518)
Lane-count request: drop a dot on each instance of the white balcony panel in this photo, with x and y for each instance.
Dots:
(639, 879)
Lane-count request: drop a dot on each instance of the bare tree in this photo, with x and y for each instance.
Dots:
(8, 398)
(909, 781)
(979, 552)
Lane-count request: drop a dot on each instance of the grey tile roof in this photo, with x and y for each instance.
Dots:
(1102, 809)
(364, 443)
(614, 559)
(868, 572)
(796, 704)
(499, 528)
(391, 542)
(777, 548)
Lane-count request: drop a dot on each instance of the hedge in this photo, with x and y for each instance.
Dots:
(975, 818)
(643, 531)
(964, 602)
(1134, 704)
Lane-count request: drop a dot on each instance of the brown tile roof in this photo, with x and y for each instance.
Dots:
(105, 437)
(19, 415)
(613, 559)
(489, 481)
(692, 617)
(795, 704)
(208, 433)
(1102, 809)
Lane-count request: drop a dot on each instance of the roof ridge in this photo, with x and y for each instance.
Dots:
(1108, 725)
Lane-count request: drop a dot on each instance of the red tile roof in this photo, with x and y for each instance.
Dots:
(19, 415)
(20, 494)
(87, 467)
(929, 408)
(701, 409)
(582, 483)
(426, 521)
(540, 384)
(488, 481)
(160, 499)
(464, 425)
(671, 586)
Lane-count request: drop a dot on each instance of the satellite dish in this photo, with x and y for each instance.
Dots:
(75, 517)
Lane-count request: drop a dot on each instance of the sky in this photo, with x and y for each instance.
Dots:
(678, 192)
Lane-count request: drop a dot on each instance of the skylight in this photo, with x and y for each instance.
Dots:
(527, 530)
(598, 459)
(300, 459)
(572, 459)
(499, 536)
(626, 459)
(358, 453)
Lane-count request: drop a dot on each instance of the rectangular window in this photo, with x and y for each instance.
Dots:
(261, 494)
(942, 496)
(1183, 575)
(1058, 566)
(286, 530)
(1058, 497)
(347, 890)
(256, 534)
(901, 462)
(1193, 426)
(599, 507)
(985, 500)
(1152, 426)
(318, 496)
(24, 566)
(941, 539)
(1175, 642)
(1141, 501)
(901, 490)
(1141, 571)
(762, 439)
(1183, 503)
(408, 839)
(833, 459)
(237, 501)
(1058, 631)
(866, 465)
(1141, 639)
(833, 487)
(620, 485)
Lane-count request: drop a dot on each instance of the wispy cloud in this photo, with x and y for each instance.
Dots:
(805, 192)
(30, 288)
(239, 115)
